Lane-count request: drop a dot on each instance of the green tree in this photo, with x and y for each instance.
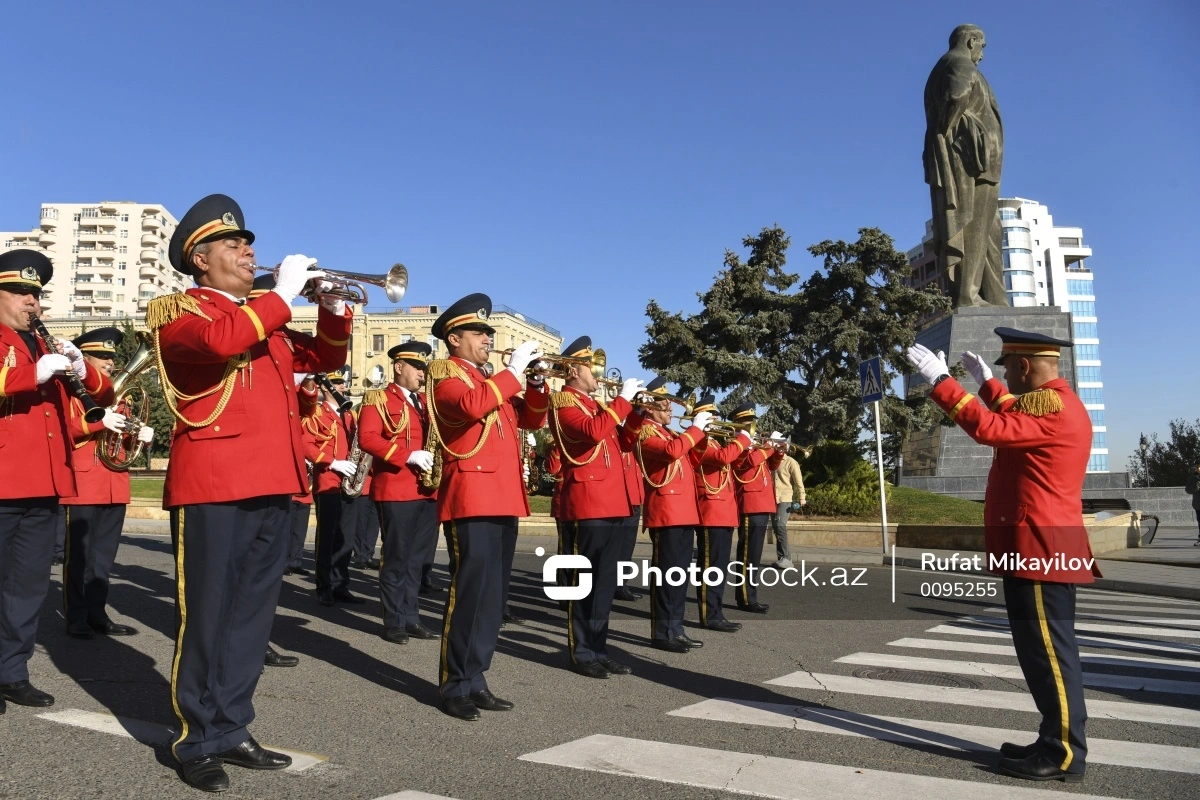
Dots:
(1167, 463)
(796, 349)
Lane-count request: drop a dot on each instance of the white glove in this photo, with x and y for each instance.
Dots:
(931, 366)
(702, 419)
(343, 468)
(421, 459)
(334, 305)
(535, 379)
(530, 439)
(50, 365)
(630, 388)
(146, 434)
(77, 363)
(292, 275)
(523, 356)
(978, 368)
(113, 421)
(525, 474)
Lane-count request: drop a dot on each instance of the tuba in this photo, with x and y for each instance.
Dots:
(117, 450)
(352, 485)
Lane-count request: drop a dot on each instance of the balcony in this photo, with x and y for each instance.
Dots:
(109, 207)
(148, 272)
(150, 240)
(48, 238)
(144, 303)
(149, 255)
(150, 223)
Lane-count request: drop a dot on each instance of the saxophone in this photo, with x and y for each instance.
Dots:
(352, 485)
(433, 444)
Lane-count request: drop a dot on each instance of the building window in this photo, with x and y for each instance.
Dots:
(1037, 242)
(1092, 396)
(1068, 241)
(120, 265)
(1083, 308)
(1088, 374)
(124, 234)
(120, 281)
(377, 343)
(120, 298)
(1097, 416)
(1008, 213)
(1098, 463)
(1086, 330)
(1098, 440)
(1087, 352)
(123, 249)
(1041, 285)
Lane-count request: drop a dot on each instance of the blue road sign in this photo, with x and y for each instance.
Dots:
(870, 377)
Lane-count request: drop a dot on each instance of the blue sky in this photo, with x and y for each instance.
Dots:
(575, 160)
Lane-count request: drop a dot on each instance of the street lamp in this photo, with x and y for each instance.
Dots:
(1145, 448)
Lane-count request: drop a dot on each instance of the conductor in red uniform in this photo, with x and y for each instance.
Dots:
(392, 425)
(35, 463)
(595, 502)
(1042, 436)
(96, 514)
(755, 486)
(482, 492)
(671, 515)
(236, 460)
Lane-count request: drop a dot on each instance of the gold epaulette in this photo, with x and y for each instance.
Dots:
(645, 432)
(374, 397)
(1039, 403)
(442, 368)
(162, 311)
(564, 400)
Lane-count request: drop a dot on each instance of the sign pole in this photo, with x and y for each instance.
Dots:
(882, 488)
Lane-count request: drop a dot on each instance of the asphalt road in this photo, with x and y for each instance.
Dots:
(366, 707)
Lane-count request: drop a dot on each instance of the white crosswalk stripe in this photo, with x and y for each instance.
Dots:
(1121, 618)
(1148, 662)
(1151, 645)
(1013, 672)
(763, 776)
(1118, 597)
(1136, 609)
(1087, 625)
(922, 731)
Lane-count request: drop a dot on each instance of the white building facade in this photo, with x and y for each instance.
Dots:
(110, 258)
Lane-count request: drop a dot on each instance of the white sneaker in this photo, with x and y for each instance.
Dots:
(783, 563)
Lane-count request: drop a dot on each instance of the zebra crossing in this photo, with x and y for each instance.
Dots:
(1149, 640)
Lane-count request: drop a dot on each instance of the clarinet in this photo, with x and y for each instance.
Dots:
(91, 411)
(343, 402)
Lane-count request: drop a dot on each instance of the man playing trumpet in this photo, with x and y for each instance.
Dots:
(752, 476)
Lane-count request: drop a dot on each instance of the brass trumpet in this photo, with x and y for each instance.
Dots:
(554, 366)
(349, 285)
(724, 429)
(650, 401)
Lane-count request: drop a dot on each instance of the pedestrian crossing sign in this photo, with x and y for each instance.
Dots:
(871, 379)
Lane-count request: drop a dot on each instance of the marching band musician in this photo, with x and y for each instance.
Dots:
(756, 507)
(365, 510)
(596, 503)
(392, 425)
(236, 459)
(635, 484)
(481, 494)
(95, 515)
(670, 513)
(327, 444)
(718, 510)
(35, 465)
(565, 543)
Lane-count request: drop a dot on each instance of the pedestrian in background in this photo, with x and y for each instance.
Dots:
(789, 489)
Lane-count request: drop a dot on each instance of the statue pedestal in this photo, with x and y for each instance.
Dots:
(944, 459)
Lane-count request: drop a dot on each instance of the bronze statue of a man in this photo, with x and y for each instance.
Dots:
(964, 146)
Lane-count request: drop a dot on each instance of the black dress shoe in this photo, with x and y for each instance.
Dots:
(252, 755)
(296, 571)
(489, 702)
(80, 632)
(756, 608)
(723, 626)
(58, 561)
(110, 628)
(1018, 751)
(395, 636)
(428, 589)
(459, 707)
(592, 669)
(419, 631)
(205, 773)
(671, 645)
(1037, 767)
(626, 596)
(274, 659)
(23, 694)
(689, 641)
(614, 667)
(373, 563)
(358, 563)
(325, 599)
(347, 596)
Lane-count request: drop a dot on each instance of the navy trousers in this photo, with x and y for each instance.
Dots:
(229, 560)
(471, 621)
(1041, 617)
(366, 526)
(410, 532)
(335, 540)
(27, 532)
(713, 546)
(587, 629)
(508, 541)
(672, 548)
(629, 534)
(299, 514)
(93, 536)
(566, 546)
(751, 536)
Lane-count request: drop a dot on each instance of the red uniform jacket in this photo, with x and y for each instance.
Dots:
(466, 404)
(593, 485)
(95, 484)
(716, 497)
(253, 446)
(1033, 507)
(391, 439)
(634, 482)
(308, 401)
(670, 481)
(326, 439)
(753, 480)
(35, 441)
(554, 467)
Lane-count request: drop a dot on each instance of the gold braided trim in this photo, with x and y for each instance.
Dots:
(674, 469)
(757, 474)
(1000, 401)
(372, 397)
(435, 434)
(725, 472)
(953, 413)
(162, 311)
(563, 438)
(645, 432)
(172, 395)
(564, 400)
(378, 399)
(442, 368)
(1039, 403)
